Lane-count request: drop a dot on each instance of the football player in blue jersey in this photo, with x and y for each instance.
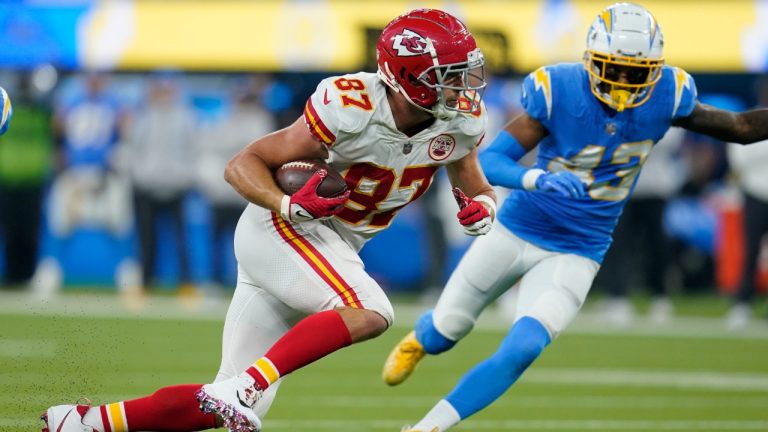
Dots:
(594, 124)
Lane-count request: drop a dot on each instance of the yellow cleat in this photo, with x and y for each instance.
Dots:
(402, 360)
(410, 429)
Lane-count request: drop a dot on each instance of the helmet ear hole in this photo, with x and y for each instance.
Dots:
(403, 73)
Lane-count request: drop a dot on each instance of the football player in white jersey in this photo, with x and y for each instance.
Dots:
(302, 290)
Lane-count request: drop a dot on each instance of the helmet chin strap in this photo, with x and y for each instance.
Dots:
(389, 78)
(439, 110)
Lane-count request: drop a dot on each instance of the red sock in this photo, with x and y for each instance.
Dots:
(173, 408)
(311, 339)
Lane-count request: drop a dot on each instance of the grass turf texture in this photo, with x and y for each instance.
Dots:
(599, 380)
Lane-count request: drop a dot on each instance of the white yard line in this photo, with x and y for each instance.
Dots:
(649, 402)
(27, 348)
(213, 309)
(709, 380)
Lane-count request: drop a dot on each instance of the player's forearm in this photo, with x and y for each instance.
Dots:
(486, 192)
(743, 128)
(499, 163)
(252, 179)
(753, 126)
(467, 175)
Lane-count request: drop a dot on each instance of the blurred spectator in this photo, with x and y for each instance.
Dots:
(86, 193)
(639, 241)
(26, 153)
(247, 121)
(691, 218)
(161, 153)
(278, 98)
(748, 166)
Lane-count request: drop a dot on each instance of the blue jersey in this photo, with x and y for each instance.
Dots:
(603, 147)
(90, 130)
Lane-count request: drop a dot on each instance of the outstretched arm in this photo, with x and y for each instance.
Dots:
(744, 128)
(499, 161)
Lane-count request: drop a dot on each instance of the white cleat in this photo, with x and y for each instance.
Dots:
(66, 418)
(233, 401)
(411, 429)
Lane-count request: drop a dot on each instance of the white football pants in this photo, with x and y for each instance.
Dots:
(552, 285)
(285, 273)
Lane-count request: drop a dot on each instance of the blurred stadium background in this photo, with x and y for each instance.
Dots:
(84, 165)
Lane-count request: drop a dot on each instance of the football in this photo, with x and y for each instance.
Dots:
(293, 175)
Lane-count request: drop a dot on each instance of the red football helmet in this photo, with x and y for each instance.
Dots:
(425, 52)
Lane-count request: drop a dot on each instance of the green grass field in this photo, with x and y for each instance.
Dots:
(689, 376)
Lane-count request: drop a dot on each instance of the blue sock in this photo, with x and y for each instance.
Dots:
(482, 385)
(426, 333)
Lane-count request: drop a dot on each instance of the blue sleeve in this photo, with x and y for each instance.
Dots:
(536, 97)
(499, 161)
(685, 94)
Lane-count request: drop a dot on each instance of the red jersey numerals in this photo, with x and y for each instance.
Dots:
(371, 185)
(363, 101)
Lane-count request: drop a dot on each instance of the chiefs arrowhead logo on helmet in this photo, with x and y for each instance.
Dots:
(409, 43)
(418, 50)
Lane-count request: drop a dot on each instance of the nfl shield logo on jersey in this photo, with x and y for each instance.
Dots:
(407, 147)
(441, 147)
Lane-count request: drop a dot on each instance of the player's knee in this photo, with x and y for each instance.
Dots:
(454, 324)
(523, 344)
(377, 324)
(555, 310)
(370, 322)
(430, 338)
(364, 324)
(385, 311)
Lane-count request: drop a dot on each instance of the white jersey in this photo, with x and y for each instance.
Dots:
(385, 168)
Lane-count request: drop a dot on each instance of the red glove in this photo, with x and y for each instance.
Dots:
(473, 215)
(306, 205)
